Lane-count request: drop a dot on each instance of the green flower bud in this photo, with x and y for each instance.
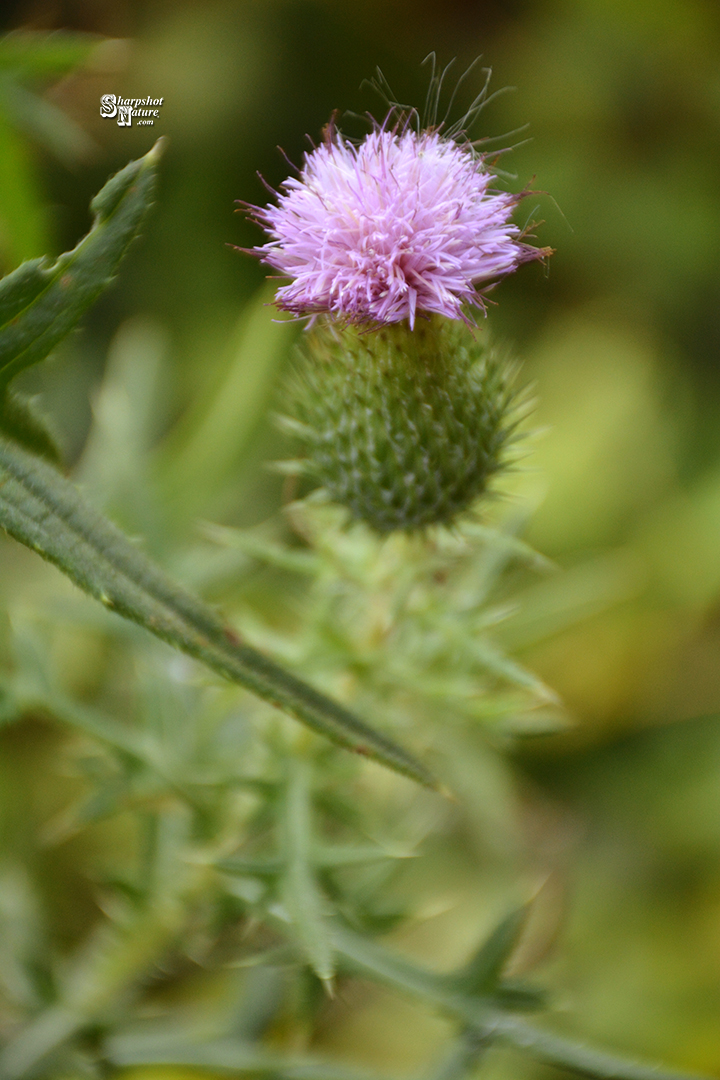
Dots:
(403, 427)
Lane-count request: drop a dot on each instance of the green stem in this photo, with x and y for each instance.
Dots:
(577, 1057)
(480, 1015)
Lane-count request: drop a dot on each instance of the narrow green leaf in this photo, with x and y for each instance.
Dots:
(45, 123)
(497, 663)
(206, 448)
(509, 544)
(237, 866)
(360, 955)
(462, 1058)
(20, 419)
(483, 971)
(324, 857)
(224, 1055)
(575, 1056)
(40, 304)
(44, 511)
(517, 996)
(364, 957)
(337, 856)
(24, 947)
(45, 1033)
(299, 890)
(266, 551)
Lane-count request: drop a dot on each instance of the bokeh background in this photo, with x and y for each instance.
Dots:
(621, 337)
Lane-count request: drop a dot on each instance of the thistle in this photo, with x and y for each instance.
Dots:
(401, 224)
(404, 428)
(389, 245)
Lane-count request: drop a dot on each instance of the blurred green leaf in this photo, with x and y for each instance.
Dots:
(324, 857)
(225, 1055)
(369, 958)
(577, 1056)
(22, 219)
(40, 304)
(482, 973)
(363, 956)
(23, 939)
(207, 446)
(21, 420)
(107, 965)
(264, 550)
(37, 54)
(47, 513)
(115, 469)
(298, 887)
(515, 996)
(461, 1058)
(43, 121)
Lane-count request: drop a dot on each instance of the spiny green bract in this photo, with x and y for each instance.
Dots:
(403, 427)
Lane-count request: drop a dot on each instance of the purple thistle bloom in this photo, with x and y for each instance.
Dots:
(399, 224)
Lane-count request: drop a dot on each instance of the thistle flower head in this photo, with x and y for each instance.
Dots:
(404, 428)
(404, 222)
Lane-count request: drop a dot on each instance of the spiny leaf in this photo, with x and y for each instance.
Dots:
(576, 1056)
(40, 304)
(300, 893)
(111, 960)
(362, 956)
(482, 973)
(43, 510)
(264, 550)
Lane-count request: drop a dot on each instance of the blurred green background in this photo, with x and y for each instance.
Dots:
(621, 338)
